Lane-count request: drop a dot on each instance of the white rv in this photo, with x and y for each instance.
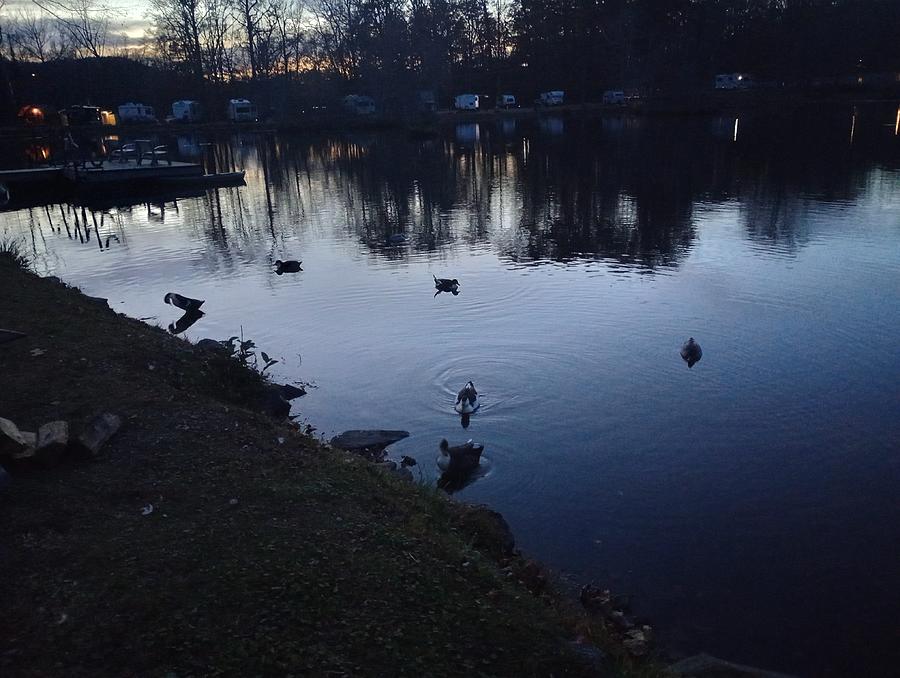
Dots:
(506, 101)
(466, 102)
(187, 111)
(132, 112)
(733, 81)
(240, 110)
(552, 98)
(359, 104)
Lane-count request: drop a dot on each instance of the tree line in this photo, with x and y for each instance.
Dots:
(381, 46)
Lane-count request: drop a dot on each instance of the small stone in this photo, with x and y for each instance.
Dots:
(52, 441)
(11, 440)
(96, 433)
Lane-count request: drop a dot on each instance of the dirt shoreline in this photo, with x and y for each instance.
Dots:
(265, 552)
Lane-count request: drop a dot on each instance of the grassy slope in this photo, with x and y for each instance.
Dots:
(323, 565)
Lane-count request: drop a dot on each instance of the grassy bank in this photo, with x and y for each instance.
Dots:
(265, 553)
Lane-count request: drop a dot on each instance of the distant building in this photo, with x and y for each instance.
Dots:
(733, 81)
(132, 112)
(359, 104)
(186, 110)
(506, 101)
(614, 97)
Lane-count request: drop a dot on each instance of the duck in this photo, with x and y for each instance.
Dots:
(446, 284)
(466, 399)
(691, 352)
(397, 238)
(460, 458)
(184, 303)
(290, 266)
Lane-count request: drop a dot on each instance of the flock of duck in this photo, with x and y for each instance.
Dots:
(457, 462)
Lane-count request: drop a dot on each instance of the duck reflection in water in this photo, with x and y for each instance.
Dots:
(184, 322)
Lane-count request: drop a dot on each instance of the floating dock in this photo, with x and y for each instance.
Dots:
(111, 172)
(84, 183)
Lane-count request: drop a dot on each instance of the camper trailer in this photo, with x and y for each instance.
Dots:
(359, 104)
(240, 110)
(466, 102)
(426, 101)
(76, 116)
(186, 110)
(506, 101)
(733, 81)
(132, 112)
(552, 98)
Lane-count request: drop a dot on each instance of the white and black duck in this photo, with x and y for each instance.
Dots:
(184, 303)
(467, 399)
(691, 352)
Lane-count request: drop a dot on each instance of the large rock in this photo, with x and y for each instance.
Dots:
(52, 441)
(289, 391)
(488, 531)
(96, 433)
(11, 440)
(214, 346)
(367, 440)
(273, 403)
(707, 666)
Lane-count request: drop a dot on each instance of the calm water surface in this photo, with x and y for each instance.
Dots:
(750, 504)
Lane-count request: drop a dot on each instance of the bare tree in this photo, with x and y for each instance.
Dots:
(85, 21)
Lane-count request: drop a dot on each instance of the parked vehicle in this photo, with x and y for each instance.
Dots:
(77, 116)
(359, 104)
(466, 102)
(132, 112)
(186, 110)
(240, 110)
(614, 96)
(426, 102)
(733, 81)
(506, 101)
(554, 97)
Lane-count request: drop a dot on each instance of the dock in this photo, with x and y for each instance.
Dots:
(111, 172)
(111, 178)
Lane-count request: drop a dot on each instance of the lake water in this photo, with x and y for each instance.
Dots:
(749, 504)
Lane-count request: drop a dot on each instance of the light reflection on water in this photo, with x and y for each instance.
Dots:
(748, 503)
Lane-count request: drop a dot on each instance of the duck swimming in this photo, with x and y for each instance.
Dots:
(691, 352)
(184, 303)
(467, 399)
(460, 458)
(445, 285)
(290, 266)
